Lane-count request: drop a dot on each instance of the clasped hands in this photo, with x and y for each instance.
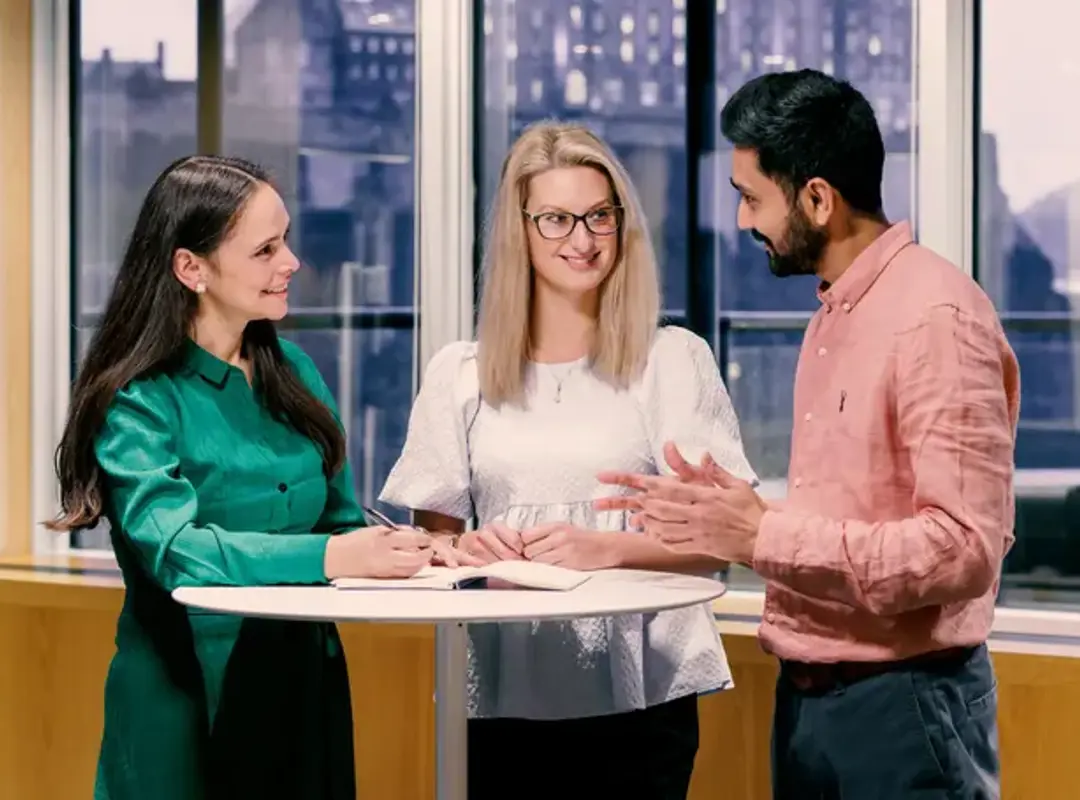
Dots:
(557, 543)
(703, 510)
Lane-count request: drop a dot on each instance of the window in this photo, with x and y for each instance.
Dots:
(754, 321)
(333, 123)
(136, 113)
(632, 105)
(760, 319)
(1027, 216)
(325, 95)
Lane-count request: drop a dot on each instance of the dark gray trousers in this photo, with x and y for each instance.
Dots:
(925, 732)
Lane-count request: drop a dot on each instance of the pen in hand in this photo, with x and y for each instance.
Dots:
(372, 515)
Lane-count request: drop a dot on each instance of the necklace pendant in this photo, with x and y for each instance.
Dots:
(558, 394)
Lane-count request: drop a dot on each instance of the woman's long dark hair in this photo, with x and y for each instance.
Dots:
(193, 204)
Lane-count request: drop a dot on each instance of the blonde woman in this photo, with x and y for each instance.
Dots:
(571, 376)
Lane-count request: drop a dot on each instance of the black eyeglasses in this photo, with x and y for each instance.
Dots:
(602, 221)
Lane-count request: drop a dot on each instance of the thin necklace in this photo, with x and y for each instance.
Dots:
(559, 382)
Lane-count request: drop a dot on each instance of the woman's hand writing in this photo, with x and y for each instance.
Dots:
(377, 552)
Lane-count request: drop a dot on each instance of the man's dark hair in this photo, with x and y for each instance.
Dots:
(805, 125)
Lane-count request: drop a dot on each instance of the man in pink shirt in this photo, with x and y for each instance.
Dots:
(882, 564)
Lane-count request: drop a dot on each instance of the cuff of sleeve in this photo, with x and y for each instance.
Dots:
(776, 545)
(308, 562)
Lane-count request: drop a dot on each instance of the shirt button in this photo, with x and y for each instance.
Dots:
(798, 482)
(822, 351)
(808, 416)
(281, 487)
(846, 306)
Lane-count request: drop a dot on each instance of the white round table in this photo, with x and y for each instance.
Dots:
(606, 593)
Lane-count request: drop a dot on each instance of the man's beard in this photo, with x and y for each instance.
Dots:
(800, 250)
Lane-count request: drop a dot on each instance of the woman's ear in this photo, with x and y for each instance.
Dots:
(188, 269)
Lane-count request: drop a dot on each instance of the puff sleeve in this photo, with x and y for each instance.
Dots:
(432, 473)
(685, 402)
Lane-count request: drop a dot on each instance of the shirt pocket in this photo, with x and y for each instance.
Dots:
(865, 445)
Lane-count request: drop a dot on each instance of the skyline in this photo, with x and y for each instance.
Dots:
(1037, 152)
(173, 22)
(1024, 65)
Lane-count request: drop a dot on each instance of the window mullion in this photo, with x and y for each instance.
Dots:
(210, 77)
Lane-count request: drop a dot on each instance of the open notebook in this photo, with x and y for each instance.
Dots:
(524, 574)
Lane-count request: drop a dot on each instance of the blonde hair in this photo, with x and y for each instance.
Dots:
(629, 305)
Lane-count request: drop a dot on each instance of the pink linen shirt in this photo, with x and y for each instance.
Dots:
(899, 507)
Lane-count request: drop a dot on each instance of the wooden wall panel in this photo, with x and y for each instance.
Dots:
(52, 675)
(1039, 722)
(733, 759)
(53, 662)
(15, 160)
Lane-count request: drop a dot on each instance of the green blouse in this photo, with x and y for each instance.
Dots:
(204, 487)
(204, 482)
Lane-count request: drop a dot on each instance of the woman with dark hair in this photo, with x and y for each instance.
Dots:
(213, 450)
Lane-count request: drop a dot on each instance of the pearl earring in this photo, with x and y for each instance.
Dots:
(200, 287)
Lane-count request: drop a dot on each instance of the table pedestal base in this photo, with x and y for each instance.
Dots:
(451, 712)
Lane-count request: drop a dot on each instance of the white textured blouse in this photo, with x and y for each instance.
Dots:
(537, 463)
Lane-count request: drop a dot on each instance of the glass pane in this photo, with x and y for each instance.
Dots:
(867, 43)
(324, 96)
(136, 114)
(326, 101)
(1026, 259)
(622, 69)
(368, 370)
(760, 319)
(615, 67)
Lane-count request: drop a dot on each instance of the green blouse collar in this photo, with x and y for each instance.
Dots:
(206, 363)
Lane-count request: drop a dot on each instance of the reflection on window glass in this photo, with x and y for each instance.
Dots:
(596, 73)
(1027, 260)
(321, 94)
(628, 80)
(136, 114)
(761, 318)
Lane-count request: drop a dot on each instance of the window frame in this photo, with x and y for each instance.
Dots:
(50, 259)
(944, 178)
